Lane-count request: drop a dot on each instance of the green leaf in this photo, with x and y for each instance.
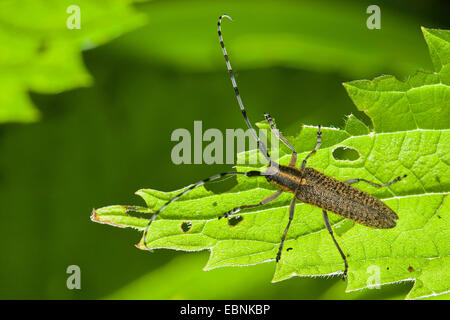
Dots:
(417, 249)
(421, 102)
(44, 56)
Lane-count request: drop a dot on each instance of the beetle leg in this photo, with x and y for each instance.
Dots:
(272, 197)
(319, 141)
(377, 185)
(283, 237)
(293, 161)
(330, 230)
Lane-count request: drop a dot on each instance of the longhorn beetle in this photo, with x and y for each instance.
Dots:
(307, 184)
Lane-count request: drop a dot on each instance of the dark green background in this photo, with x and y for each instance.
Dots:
(96, 146)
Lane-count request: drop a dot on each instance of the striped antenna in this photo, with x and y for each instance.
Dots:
(192, 187)
(261, 145)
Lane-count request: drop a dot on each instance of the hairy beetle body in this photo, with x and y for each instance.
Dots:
(315, 188)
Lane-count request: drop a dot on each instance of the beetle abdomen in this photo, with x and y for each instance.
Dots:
(315, 188)
(341, 198)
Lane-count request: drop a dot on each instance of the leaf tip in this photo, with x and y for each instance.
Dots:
(425, 29)
(141, 245)
(94, 215)
(275, 280)
(207, 268)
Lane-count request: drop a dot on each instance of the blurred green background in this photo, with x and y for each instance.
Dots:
(97, 144)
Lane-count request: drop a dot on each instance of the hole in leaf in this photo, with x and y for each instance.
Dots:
(214, 204)
(234, 220)
(345, 153)
(186, 226)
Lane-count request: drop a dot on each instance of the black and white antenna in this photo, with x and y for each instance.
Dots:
(262, 147)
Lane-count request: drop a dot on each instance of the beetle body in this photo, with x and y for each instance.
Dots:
(315, 188)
